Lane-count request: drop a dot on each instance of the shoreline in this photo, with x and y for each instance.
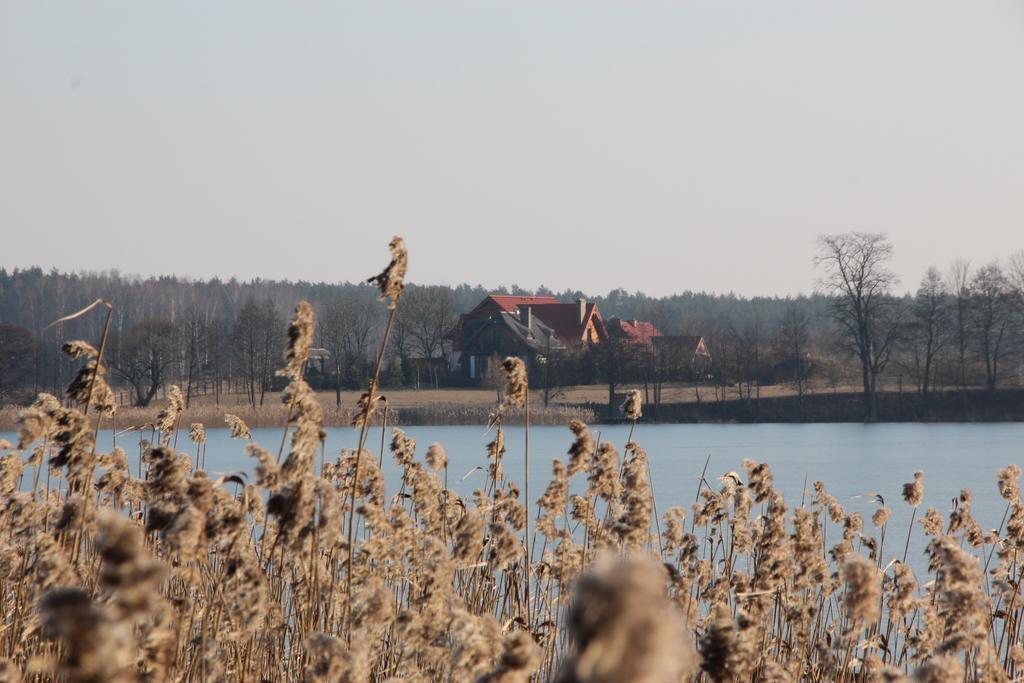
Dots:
(973, 406)
(8, 421)
(275, 416)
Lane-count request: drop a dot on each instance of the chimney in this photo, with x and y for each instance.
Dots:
(526, 318)
(582, 304)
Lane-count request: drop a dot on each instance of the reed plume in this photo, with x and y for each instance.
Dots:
(632, 407)
(239, 430)
(624, 628)
(515, 382)
(300, 340)
(311, 568)
(391, 280)
(167, 418)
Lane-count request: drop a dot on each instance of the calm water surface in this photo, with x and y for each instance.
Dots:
(854, 460)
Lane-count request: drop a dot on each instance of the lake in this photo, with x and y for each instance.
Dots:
(854, 460)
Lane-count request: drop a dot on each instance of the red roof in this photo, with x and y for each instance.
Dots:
(564, 319)
(500, 302)
(639, 331)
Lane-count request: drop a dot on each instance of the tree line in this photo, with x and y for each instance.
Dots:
(961, 328)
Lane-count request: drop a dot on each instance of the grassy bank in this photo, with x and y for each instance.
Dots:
(275, 414)
(683, 404)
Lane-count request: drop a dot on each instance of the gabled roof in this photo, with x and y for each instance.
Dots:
(564, 319)
(639, 331)
(479, 334)
(502, 303)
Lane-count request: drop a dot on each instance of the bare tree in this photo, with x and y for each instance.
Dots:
(196, 331)
(930, 327)
(958, 281)
(858, 281)
(429, 317)
(991, 317)
(744, 338)
(219, 354)
(792, 339)
(147, 351)
(668, 361)
(617, 357)
(402, 341)
(362, 315)
(1015, 278)
(550, 371)
(255, 339)
(332, 337)
(346, 330)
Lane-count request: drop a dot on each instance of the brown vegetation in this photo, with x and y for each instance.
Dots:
(445, 406)
(220, 340)
(174, 576)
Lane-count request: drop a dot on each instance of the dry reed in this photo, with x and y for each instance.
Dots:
(312, 572)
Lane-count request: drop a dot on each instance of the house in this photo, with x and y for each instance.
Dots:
(639, 331)
(486, 341)
(575, 323)
(524, 326)
(678, 356)
(500, 303)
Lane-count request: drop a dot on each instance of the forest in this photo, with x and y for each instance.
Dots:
(960, 327)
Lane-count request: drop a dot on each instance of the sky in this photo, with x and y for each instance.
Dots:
(589, 145)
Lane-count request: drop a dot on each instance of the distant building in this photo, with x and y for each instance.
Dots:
(524, 326)
(575, 323)
(538, 326)
(680, 357)
(500, 303)
(318, 358)
(487, 341)
(639, 331)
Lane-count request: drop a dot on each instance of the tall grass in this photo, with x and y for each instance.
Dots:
(169, 575)
(274, 415)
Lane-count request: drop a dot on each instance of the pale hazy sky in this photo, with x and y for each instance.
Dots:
(655, 146)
